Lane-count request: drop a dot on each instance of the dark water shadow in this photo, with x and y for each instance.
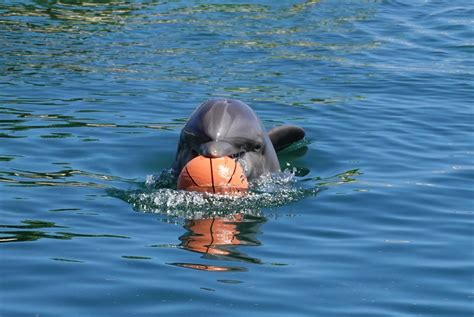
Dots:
(32, 230)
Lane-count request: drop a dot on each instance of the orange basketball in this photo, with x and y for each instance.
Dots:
(221, 175)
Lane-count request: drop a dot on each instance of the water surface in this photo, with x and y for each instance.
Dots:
(377, 221)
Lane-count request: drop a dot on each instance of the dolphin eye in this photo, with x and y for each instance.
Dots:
(188, 136)
(251, 146)
(237, 155)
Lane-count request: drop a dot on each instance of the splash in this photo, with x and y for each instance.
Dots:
(160, 196)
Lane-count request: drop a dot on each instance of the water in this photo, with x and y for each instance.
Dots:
(377, 221)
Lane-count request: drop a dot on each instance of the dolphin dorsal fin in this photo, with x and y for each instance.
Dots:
(285, 135)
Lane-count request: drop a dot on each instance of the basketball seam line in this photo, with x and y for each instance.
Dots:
(212, 178)
(235, 168)
(191, 177)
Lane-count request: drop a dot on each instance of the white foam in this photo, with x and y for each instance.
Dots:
(266, 192)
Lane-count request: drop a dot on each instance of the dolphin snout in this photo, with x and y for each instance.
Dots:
(217, 149)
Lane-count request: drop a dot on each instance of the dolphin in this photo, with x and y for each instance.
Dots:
(229, 127)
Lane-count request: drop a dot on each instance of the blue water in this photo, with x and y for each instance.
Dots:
(373, 218)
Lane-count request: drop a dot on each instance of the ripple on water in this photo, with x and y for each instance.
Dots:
(266, 192)
(159, 195)
(382, 87)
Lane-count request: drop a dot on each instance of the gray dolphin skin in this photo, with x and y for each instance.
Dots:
(229, 127)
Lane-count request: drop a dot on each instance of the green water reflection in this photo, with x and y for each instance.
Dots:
(24, 232)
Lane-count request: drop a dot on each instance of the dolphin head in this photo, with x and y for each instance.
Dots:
(227, 127)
